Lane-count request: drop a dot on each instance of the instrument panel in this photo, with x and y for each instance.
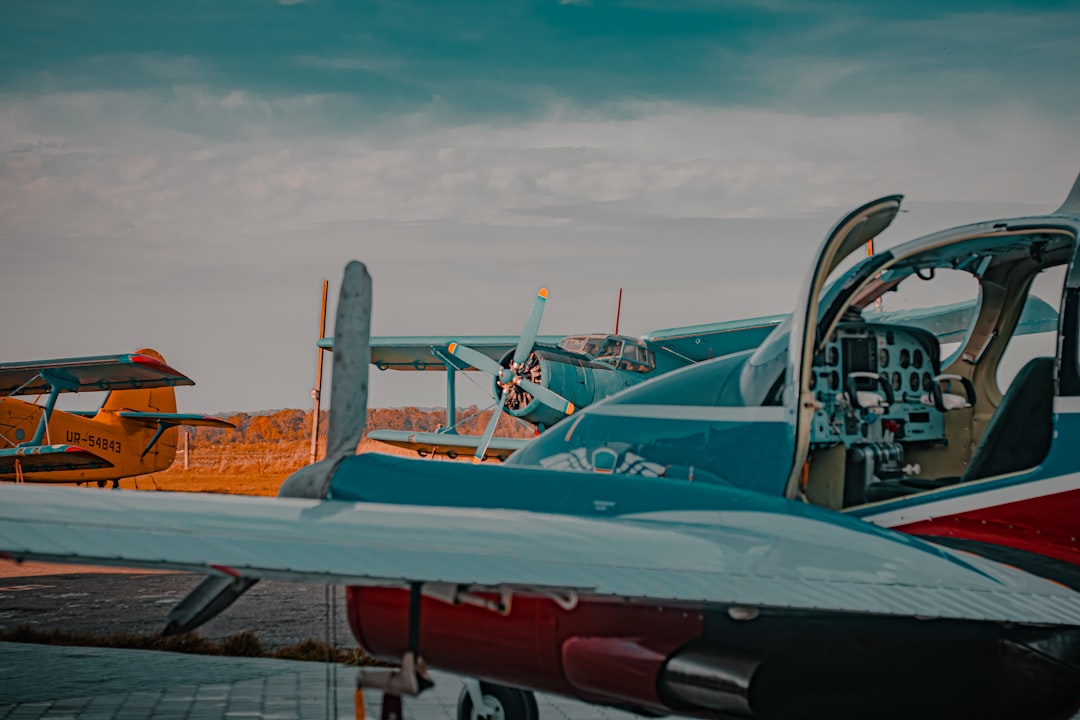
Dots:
(870, 383)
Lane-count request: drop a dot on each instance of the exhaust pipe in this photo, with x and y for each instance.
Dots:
(715, 679)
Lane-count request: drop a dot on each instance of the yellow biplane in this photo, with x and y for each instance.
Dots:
(132, 433)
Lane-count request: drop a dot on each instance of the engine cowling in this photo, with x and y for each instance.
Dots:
(560, 372)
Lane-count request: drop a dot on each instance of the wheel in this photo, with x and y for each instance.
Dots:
(509, 703)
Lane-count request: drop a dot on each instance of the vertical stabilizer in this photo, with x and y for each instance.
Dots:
(1071, 206)
(161, 399)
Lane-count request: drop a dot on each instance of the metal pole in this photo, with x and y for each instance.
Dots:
(451, 400)
(315, 394)
(187, 450)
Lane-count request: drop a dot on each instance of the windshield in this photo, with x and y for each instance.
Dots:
(583, 344)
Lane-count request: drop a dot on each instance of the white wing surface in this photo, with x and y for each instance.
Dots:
(758, 559)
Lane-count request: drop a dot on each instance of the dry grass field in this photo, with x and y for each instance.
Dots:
(242, 469)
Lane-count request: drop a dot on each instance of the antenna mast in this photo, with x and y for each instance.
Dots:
(316, 392)
(618, 311)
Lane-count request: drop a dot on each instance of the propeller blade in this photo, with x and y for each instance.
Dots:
(532, 327)
(549, 397)
(348, 388)
(485, 439)
(477, 359)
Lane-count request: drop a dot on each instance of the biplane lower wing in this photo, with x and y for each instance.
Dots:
(48, 458)
(449, 444)
(89, 374)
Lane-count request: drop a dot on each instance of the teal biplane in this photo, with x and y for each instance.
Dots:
(541, 379)
(787, 532)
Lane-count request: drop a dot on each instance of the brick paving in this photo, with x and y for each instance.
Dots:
(75, 683)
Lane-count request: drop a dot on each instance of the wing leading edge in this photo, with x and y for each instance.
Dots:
(759, 559)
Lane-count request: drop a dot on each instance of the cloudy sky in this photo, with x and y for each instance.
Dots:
(182, 175)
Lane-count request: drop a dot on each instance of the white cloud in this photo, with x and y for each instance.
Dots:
(219, 214)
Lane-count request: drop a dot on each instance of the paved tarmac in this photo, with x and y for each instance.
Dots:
(73, 683)
(68, 683)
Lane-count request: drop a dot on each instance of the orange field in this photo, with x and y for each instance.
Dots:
(241, 469)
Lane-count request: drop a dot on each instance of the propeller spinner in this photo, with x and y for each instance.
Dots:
(520, 382)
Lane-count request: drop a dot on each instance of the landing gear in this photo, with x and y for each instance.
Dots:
(488, 701)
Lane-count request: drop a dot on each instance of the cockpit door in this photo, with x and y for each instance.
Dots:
(846, 237)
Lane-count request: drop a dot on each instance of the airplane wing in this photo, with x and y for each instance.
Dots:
(98, 373)
(48, 458)
(948, 322)
(418, 353)
(152, 418)
(742, 558)
(702, 342)
(448, 444)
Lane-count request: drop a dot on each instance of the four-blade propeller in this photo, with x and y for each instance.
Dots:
(519, 383)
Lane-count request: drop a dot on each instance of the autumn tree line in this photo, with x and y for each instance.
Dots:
(292, 425)
(276, 443)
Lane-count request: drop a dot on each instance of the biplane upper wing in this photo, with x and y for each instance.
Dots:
(767, 553)
(153, 418)
(48, 458)
(702, 342)
(948, 322)
(97, 373)
(429, 352)
(449, 444)
(951, 322)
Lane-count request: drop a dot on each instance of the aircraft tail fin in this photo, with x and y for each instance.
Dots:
(348, 385)
(1071, 206)
(159, 399)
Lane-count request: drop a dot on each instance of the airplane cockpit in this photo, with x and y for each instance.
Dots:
(618, 351)
(884, 407)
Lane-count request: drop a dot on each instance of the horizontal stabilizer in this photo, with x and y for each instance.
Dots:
(48, 458)
(449, 444)
(767, 559)
(152, 418)
(89, 374)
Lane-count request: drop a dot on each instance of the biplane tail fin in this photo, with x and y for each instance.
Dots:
(158, 399)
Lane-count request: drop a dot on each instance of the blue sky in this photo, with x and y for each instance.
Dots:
(183, 175)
